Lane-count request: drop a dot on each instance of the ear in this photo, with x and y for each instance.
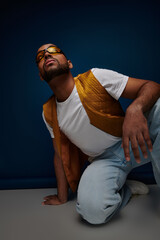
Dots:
(41, 77)
(70, 64)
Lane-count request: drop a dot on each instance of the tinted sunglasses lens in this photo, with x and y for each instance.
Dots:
(53, 50)
(39, 56)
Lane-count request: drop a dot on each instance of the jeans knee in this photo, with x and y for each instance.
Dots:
(96, 212)
(158, 103)
(153, 120)
(156, 108)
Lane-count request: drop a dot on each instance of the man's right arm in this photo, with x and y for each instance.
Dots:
(62, 184)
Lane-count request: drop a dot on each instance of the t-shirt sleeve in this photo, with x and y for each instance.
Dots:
(48, 126)
(112, 81)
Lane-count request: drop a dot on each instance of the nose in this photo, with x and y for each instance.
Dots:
(46, 55)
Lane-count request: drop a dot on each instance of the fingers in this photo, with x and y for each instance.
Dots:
(135, 149)
(142, 140)
(134, 146)
(125, 145)
(148, 140)
(135, 131)
(48, 197)
(48, 202)
(142, 145)
(52, 200)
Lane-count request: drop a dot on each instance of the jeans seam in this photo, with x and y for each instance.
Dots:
(121, 158)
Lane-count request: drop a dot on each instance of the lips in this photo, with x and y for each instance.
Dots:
(49, 61)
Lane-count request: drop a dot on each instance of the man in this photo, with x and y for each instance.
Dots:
(86, 121)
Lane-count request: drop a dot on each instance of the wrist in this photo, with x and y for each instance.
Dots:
(134, 109)
(63, 200)
(63, 196)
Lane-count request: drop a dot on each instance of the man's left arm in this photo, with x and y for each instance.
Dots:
(135, 129)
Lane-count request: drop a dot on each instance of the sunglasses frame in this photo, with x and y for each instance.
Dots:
(46, 50)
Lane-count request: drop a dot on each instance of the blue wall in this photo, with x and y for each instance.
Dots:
(115, 35)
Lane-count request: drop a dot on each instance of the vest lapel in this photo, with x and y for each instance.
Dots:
(72, 158)
(55, 125)
(103, 110)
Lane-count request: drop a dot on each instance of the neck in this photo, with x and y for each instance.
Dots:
(62, 86)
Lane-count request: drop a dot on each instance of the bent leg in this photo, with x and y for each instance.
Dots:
(153, 117)
(101, 193)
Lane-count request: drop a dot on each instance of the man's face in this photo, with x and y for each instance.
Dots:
(52, 65)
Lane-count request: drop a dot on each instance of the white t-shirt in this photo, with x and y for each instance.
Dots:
(73, 119)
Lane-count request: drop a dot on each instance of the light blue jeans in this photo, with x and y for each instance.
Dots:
(102, 191)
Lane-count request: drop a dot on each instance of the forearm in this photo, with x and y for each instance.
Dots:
(62, 184)
(135, 128)
(146, 97)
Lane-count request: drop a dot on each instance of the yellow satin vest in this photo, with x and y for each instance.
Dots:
(104, 113)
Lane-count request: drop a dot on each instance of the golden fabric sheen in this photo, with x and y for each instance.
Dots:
(104, 113)
(103, 110)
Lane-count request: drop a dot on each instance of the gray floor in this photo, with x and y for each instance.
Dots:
(22, 217)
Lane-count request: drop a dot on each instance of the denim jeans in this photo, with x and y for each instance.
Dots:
(102, 191)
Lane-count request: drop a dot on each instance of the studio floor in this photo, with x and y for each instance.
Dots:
(22, 217)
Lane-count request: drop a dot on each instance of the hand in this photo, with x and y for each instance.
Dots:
(135, 130)
(52, 200)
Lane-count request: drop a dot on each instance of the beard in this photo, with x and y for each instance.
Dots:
(54, 72)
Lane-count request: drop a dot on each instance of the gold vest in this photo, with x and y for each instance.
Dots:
(104, 113)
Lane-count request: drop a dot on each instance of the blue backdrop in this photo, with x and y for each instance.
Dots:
(119, 35)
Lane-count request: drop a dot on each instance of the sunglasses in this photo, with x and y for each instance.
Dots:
(52, 50)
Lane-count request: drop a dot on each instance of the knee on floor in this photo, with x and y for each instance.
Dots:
(95, 212)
